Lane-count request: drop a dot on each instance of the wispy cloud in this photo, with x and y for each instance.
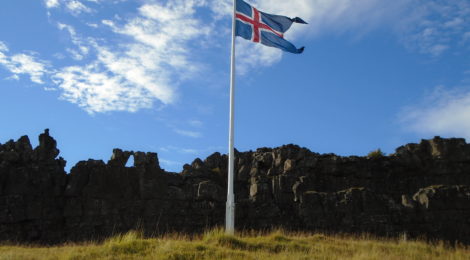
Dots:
(23, 63)
(116, 81)
(188, 133)
(51, 3)
(443, 112)
(147, 66)
(195, 123)
(13, 77)
(188, 128)
(3, 47)
(180, 150)
(169, 163)
(183, 150)
(255, 56)
(75, 7)
(171, 151)
(436, 26)
(82, 49)
(144, 58)
(466, 37)
(95, 89)
(427, 27)
(167, 28)
(324, 17)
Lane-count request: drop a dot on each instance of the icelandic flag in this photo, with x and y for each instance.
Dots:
(267, 29)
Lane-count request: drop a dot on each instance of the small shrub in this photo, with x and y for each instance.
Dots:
(376, 154)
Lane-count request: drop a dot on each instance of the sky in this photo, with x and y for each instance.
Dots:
(153, 76)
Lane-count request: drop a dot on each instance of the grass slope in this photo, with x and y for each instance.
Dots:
(217, 245)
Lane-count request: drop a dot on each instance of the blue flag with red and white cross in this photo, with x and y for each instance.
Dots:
(267, 29)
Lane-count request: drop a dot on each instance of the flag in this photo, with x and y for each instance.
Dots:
(267, 29)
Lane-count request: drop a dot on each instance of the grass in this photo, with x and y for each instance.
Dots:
(216, 244)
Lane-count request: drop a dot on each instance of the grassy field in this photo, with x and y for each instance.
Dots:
(217, 245)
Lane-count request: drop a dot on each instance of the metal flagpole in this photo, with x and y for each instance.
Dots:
(230, 208)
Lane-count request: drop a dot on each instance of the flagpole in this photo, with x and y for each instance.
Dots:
(230, 207)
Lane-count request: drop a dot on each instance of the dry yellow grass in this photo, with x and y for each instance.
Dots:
(217, 245)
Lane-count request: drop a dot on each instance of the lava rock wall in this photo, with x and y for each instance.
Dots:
(423, 190)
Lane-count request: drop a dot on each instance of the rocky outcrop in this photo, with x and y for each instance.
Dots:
(31, 189)
(423, 190)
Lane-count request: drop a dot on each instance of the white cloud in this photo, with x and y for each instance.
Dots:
(132, 75)
(423, 26)
(323, 16)
(180, 150)
(140, 68)
(82, 48)
(187, 133)
(166, 27)
(93, 25)
(253, 56)
(59, 56)
(74, 54)
(454, 22)
(444, 112)
(96, 89)
(51, 3)
(190, 151)
(14, 77)
(466, 37)
(198, 152)
(326, 15)
(162, 37)
(23, 64)
(3, 47)
(221, 8)
(169, 163)
(76, 7)
(27, 64)
(437, 49)
(195, 123)
(151, 53)
(436, 25)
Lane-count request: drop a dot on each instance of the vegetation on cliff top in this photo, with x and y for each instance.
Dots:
(376, 154)
(217, 245)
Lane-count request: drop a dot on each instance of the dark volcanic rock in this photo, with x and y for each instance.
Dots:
(31, 190)
(422, 190)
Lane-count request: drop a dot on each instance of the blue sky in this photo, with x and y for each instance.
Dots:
(153, 75)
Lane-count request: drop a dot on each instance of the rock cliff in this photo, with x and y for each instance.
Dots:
(423, 190)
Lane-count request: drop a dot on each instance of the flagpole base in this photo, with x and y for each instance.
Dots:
(230, 218)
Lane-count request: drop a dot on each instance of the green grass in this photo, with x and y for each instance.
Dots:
(216, 244)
